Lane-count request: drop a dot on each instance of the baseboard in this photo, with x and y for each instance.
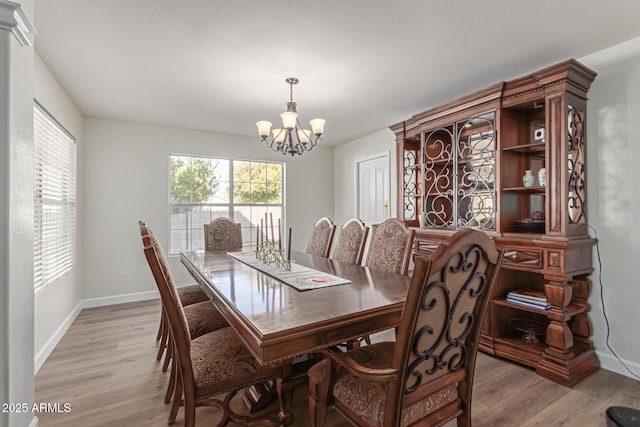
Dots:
(610, 363)
(53, 341)
(118, 299)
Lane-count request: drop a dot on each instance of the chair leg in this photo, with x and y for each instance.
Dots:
(172, 381)
(189, 407)
(319, 393)
(177, 398)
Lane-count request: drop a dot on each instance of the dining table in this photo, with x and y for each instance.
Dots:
(277, 321)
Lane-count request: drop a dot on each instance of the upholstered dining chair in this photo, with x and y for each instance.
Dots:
(425, 377)
(211, 364)
(351, 242)
(390, 246)
(222, 233)
(321, 238)
(202, 317)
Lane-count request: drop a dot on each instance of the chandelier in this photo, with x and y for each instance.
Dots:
(292, 138)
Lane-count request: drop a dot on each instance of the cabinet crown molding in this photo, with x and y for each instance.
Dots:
(13, 18)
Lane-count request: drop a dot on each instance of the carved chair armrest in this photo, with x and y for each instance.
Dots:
(372, 374)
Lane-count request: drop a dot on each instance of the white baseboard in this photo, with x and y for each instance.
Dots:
(53, 341)
(118, 299)
(610, 363)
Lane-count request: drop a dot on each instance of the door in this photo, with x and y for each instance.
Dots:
(373, 189)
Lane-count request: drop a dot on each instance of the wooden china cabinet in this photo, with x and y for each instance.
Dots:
(462, 165)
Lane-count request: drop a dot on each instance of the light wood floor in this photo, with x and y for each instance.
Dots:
(105, 368)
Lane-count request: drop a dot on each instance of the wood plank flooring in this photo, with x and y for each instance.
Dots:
(105, 368)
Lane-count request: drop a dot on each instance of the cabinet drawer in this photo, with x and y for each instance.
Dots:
(522, 258)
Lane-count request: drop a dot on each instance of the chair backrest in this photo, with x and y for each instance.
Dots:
(351, 242)
(437, 340)
(390, 246)
(321, 238)
(222, 234)
(170, 300)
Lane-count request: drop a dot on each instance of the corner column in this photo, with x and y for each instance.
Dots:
(16, 213)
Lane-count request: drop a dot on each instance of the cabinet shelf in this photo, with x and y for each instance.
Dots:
(533, 190)
(513, 347)
(504, 303)
(537, 148)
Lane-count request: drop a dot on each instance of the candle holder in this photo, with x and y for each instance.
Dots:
(269, 253)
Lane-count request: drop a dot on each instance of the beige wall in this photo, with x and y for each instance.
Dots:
(126, 179)
(613, 205)
(344, 161)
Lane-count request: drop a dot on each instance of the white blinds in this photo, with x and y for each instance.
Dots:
(54, 198)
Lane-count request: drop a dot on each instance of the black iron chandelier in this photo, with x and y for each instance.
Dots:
(292, 138)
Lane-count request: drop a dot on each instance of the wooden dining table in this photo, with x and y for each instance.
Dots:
(277, 322)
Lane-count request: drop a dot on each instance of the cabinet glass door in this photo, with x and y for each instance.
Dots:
(459, 174)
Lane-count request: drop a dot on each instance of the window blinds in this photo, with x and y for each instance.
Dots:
(54, 199)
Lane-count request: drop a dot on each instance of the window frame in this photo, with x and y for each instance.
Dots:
(230, 206)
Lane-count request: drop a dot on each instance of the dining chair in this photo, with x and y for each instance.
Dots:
(211, 364)
(201, 315)
(321, 238)
(390, 246)
(351, 242)
(222, 234)
(425, 377)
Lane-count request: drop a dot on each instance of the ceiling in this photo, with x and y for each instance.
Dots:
(363, 65)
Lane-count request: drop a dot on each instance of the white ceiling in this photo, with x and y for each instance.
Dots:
(363, 64)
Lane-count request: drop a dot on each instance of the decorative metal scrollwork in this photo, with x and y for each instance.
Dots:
(476, 172)
(438, 168)
(575, 166)
(459, 174)
(439, 344)
(269, 253)
(410, 185)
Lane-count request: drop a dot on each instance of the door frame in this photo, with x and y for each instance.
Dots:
(356, 179)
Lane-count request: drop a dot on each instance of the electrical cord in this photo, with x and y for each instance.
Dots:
(604, 312)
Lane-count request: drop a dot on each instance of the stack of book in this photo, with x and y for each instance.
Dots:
(532, 298)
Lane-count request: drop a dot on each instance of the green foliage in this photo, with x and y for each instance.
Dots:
(193, 180)
(257, 182)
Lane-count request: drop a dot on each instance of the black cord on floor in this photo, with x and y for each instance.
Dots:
(604, 312)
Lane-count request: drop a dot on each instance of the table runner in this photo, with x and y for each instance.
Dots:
(300, 277)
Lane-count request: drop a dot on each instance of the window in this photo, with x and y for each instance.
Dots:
(54, 167)
(203, 188)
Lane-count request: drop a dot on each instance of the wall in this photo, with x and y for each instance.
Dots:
(126, 179)
(344, 161)
(613, 134)
(16, 216)
(55, 303)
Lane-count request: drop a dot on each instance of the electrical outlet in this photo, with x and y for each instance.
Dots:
(122, 277)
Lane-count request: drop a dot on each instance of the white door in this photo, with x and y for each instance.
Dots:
(373, 188)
